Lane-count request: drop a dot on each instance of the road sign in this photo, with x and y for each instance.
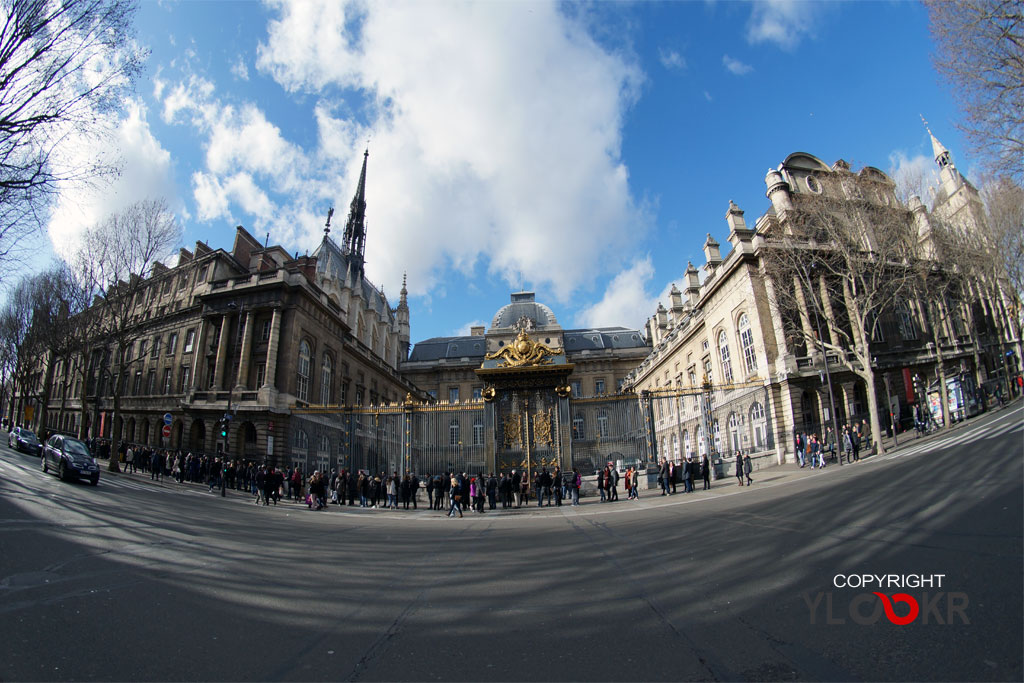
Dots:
(167, 431)
(168, 418)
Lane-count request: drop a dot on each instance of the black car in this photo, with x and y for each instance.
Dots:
(71, 459)
(24, 440)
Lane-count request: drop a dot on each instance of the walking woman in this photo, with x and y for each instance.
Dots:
(705, 470)
(739, 467)
(456, 498)
(747, 468)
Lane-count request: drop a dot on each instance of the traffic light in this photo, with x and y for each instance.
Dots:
(222, 425)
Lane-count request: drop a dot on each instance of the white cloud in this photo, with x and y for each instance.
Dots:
(913, 175)
(708, 97)
(511, 158)
(626, 300)
(670, 59)
(783, 22)
(735, 66)
(240, 70)
(146, 173)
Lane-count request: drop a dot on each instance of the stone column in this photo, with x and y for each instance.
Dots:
(275, 340)
(805, 317)
(222, 353)
(199, 355)
(243, 362)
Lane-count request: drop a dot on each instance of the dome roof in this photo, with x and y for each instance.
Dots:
(524, 306)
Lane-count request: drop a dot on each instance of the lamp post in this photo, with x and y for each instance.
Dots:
(824, 356)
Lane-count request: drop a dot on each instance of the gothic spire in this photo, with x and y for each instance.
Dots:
(938, 149)
(355, 229)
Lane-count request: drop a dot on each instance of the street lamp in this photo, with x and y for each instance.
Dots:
(824, 357)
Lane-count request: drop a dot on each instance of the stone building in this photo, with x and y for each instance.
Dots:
(722, 330)
(445, 367)
(251, 332)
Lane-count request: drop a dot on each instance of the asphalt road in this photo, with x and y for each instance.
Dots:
(127, 581)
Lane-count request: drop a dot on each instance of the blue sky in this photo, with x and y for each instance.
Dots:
(584, 150)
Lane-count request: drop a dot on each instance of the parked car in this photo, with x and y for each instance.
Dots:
(70, 458)
(24, 440)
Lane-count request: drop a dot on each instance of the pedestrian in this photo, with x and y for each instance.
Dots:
(689, 473)
(430, 490)
(628, 483)
(847, 446)
(855, 438)
(543, 487)
(705, 471)
(492, 491)
(673, 474)
(663, 477)
(577, 481)
(517, 480)
(601, 479)
(747, 468)
(505, 491)
(456, 497)
(613, 478)
(524, 490)
(739, 467)
(800, 448)
(635, 481)
(557, 485)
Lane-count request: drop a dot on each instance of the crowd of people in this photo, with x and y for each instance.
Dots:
(816, 452)
(672, 474)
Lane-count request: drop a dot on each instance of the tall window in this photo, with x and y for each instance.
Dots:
(602, 424)
(687, 446)
(734, 432)
(453, 433)
(723, 354)
(577, 389)
(167, 381)
(747, 344)
(326, 378)
(702, 447)
(760, 427)
(137, 388)
(599, 387)
(190, 339)
(453, 394)
(578, 427)
(156, 348)
(302, 386)
(478, 432)
(172, 343)
(261, 374)
(675, 447)
(186, 378)
(151, 383)
(718, 437)
(905, 321)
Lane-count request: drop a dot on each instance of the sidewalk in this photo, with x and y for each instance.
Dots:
(650, 498)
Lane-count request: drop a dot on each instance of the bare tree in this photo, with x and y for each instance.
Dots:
(980, 49)
(64, 66)
(118, 256)
(841, 258)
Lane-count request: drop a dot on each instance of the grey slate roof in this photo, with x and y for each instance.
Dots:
(603, 338)
(448, 347)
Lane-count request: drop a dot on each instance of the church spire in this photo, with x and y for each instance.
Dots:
(355, 229)
(938, 149)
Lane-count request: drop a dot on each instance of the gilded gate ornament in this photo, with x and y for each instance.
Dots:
(513, 428)
(542, 429)
(523, 351)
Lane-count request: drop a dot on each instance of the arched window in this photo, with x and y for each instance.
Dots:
(453, 432)
(718, 437)
(578, 427)
(302, 385)
(747, 344)
(702, 446)
(326, 379)
(723, 354)
(734, 432)
(675, 447)
(478, 432)
(759, 426)
(687, 446)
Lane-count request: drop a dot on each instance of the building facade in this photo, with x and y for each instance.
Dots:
(252, 333)
(724, 330)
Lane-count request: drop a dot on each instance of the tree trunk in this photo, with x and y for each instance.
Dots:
(940, 367)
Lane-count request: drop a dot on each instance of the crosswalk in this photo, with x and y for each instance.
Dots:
(992, 430)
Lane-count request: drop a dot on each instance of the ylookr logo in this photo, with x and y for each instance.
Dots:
(901, 609)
